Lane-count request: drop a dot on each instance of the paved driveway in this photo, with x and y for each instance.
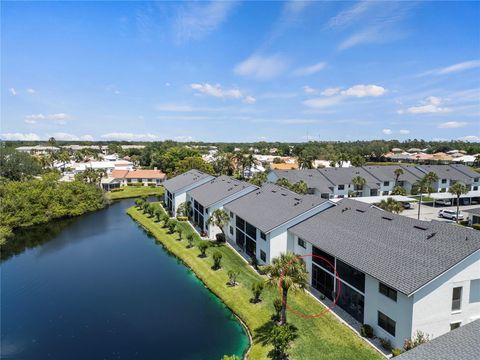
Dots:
(428, 212)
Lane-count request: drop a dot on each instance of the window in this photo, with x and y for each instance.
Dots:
(457, 298)
(384, 193)
(386, 323)
(302, 243)
(240, 223)
(386, 183)
(455, 325)
(341, 187)
(263, 256)
(351, 275)
(475, 188)
(231, 214)
(444, 181)
(322, 262)
(474, 291)
(251, 230)
(263, 236)
(231, 230)
(387, 291)
(475, 179)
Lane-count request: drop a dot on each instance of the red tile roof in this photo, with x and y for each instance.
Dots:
(119, 174)
(145, 174)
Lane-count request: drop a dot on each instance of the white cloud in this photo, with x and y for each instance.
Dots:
(12, 91)
(309, 70)
(249, 100)
(309, 90)
(369, 35)
(167, 84)
(130, 136)
(323, 102)
(346, 17)
(452, 125)
(31, 91)
(466, 65)
(217, 91)
(197, 20)
(59, 118)
(86, 137)
(330, 91)
(261, 67)
(20, 136)
(430, 105)
(174, 108)
(364, 90)
(404, 132)
(470, 138)
(387, 131)
(183, 138)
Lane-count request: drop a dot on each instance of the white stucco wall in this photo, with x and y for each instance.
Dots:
(399, 311)
(432, 308)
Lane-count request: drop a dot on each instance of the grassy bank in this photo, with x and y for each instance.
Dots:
(319, 338)
(135, 191)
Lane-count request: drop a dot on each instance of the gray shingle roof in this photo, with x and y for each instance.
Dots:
(401, 252)
(386, 173)
(462, 344)
(218, 189)
(417, 174)
(447, 172)
(311, 177)
(466, 170)
(186, 179)
(271, 206)
(343, 176)
(474, 211)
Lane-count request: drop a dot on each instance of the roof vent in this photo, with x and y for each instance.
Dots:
(345, 209)
(360, 210)
(429, 236)
(387, 218)
(283, 194)
(420, 227)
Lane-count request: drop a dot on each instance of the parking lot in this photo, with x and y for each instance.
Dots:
(428, 212)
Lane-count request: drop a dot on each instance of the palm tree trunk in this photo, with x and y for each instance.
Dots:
(419, 206)
(283, 319)
(458, 205)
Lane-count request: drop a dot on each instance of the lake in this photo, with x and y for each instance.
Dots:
(98, 287)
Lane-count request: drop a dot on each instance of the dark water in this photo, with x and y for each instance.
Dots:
(97, 287)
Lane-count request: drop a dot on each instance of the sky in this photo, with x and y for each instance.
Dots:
(240, 71)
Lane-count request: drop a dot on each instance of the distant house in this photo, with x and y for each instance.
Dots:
(176, 188)
(259, 220)
(462, 342)
(144, 177)
(212, 195)
(37, 149)
(284, 166)
(450, 174)
(396, 274)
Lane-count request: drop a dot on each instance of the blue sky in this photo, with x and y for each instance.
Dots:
(240, 71)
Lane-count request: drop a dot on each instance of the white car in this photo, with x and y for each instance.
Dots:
(450, 214)
(444, 202)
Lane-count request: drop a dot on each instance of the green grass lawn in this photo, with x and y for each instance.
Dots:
(319, 338)
(135, 191)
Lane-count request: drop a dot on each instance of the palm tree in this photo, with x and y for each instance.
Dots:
(359, 182)
(424, 185)
(220, 219)
(397, 172)
(291, 271)
(458, 189)
(391, 205)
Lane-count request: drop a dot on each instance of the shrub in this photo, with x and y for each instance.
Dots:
(476, 226)
(217, 259)
(203, 246)
(180, 232)
(152, 185)
(366, 331)
(277, 305)
(171, 225)
(396, 352)
(182, 218)
(117, 190)
(257, 289)
(165, 219)
(418, 339)
(220, 237)
(463, 222)
(158, 214)
(190, 239)
(386, 344)
(232, 277)
(254, 262)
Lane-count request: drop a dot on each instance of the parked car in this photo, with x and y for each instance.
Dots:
(450, 214)
(443, 202)
(407, 205)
